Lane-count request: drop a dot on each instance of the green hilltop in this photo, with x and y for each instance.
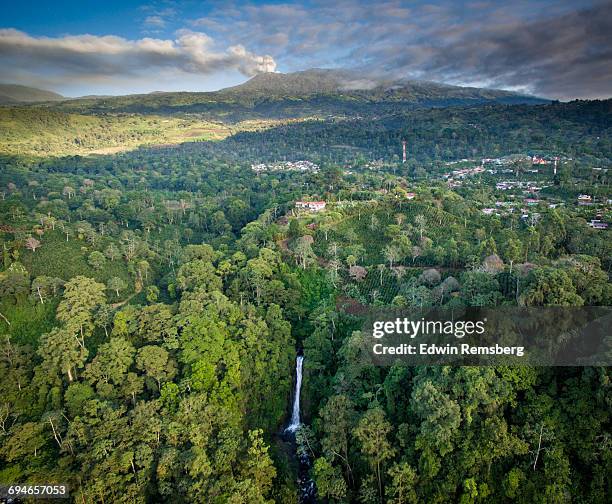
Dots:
(14, 93)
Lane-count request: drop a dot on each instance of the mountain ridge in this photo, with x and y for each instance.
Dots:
(313, 81)
(18, 94)
(308, 93)
(324, 81)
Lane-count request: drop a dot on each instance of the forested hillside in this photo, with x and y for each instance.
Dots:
(153, 302)
(574, 129)
(315, 92)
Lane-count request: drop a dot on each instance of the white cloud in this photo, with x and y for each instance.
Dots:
(154, 22)
(92, 58)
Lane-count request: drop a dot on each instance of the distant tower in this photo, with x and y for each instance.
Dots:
(555, 168)
(403, 151)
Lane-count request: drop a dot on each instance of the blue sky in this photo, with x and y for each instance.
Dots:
(554, 48)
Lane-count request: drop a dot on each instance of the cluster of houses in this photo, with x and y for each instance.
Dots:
(598, 222)
(507, 160)
(525, 214)
(303, 166)
(500, 170)
(497, 161)
(462, 173)
(527, 187)
(507, 207)
(492, 166)
(312, 206)
(538, 160)
(502, 165)
(377, 164)
(529, 199)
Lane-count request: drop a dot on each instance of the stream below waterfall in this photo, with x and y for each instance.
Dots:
(306, 486)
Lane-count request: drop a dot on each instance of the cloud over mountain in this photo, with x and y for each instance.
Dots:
(555, 48)
(92, 58)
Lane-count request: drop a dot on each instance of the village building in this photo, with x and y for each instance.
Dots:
(302, 166)
(313, 206)
(598, 224)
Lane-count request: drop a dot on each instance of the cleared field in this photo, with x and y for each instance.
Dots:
(44, 132)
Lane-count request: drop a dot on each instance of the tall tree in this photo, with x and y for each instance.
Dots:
(372, 432)
(82, 296)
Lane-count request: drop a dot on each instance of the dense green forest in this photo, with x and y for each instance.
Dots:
(152, 303)
(580, 128)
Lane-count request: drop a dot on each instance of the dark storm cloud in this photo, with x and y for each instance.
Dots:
(552, 48)
(564, 57)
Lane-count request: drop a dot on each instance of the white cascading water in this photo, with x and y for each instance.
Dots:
(295, 414)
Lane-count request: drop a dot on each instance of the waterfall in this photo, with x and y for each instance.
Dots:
(295, 414)
(307, 491)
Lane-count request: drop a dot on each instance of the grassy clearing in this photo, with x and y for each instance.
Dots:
(45, 132)
(50, 133)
